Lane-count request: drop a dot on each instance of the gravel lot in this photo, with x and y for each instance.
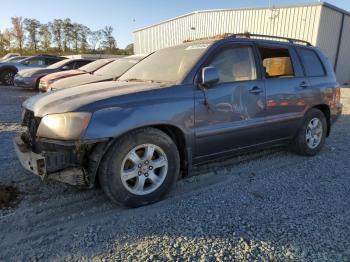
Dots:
(265, 206)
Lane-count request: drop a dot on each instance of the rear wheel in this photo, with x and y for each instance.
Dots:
(140, 168)
(312, 134)
(7, 77)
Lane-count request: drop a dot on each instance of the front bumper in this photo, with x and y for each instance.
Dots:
(28, 82)
(34, 163)
(42, 165)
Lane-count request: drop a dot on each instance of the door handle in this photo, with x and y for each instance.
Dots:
(304, 85)
(256, 90)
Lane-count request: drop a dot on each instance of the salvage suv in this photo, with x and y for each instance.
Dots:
(181, 106)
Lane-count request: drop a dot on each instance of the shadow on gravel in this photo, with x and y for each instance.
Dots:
(9, 196)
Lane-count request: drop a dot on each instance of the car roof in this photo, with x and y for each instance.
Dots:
(246, 37)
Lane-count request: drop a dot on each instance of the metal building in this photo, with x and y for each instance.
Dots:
(322, 24)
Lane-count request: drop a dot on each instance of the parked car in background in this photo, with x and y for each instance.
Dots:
(112, 71)
(13, 59)
(30, 77)
(180, 106)
(46, 82)
(9, 55)
(9, 70)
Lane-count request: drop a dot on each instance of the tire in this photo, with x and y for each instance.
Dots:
(303, 143)
(7, 77)
(128, 191)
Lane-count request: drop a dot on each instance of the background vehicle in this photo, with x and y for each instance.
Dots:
(9, 70)
(213, 98)
(46, 82)
(30, 77)
(109, 72)
(9, 55)
(13, 59)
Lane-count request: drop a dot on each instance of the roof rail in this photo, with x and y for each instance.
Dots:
(290, 40)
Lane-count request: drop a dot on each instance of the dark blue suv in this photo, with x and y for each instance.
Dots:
(181, 106)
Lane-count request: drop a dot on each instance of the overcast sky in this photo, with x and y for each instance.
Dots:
(125, 16)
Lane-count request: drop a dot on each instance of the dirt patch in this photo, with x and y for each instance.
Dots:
(9, 196)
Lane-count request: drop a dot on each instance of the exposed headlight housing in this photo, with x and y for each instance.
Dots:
(66, 126)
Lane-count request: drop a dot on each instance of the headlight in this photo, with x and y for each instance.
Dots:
(67, 126)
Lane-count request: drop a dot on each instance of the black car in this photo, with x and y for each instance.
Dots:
(30, 78)
(181, 106)
(9, 70)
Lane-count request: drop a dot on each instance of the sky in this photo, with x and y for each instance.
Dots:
(128, 15)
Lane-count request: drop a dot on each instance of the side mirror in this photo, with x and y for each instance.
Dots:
(210, 76)
(65, 68)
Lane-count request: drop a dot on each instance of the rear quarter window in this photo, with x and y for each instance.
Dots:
(312, 64)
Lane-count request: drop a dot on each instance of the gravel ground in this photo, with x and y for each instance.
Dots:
(266, 206)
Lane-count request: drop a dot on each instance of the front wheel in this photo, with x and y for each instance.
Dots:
(140, 168)
(312, 134)
(7, 77)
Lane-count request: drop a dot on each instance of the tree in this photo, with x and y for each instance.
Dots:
(129, 49)
(67, 27)
(32, 26)
(5, 41)
(18, 31)
(56, 30)
(84, 34)
(45, 36)
(95, 38)
(109, 41)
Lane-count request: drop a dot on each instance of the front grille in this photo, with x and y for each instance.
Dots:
(32, 124)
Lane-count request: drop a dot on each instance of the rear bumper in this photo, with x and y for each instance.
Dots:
(40, 165)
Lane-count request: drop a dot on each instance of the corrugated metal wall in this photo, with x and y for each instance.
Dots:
(296, 22)
(317, 24)
(343, 65)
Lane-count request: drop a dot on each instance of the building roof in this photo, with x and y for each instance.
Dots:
(251, 8)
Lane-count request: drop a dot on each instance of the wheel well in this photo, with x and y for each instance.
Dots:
(178, 137)
(327, 113)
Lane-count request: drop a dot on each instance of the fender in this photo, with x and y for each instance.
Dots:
(173, 109)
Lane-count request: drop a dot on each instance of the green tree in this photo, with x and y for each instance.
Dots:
(32, 27)
(56, 28)
(45, 36)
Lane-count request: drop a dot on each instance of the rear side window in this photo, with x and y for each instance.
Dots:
(235, 64)
(277, 62)
(50, 61)
(79, 64)
(312, 63)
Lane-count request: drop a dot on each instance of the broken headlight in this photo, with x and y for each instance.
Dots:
(66, 126)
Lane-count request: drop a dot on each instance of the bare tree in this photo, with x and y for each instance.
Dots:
(32, 26)
(95, 38)
(18, 31)
(109, 41)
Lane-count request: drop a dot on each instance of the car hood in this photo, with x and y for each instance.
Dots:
(71, 99)
(35, 71)
(79, 80)
(61, 74)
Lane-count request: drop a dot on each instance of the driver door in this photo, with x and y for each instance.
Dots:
(233, 115)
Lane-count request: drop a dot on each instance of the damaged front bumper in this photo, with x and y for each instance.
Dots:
(51, 165)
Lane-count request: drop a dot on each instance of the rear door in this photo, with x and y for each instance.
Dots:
(230, 114)
(286, 90)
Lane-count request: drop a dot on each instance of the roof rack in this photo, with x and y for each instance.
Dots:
(290, 40)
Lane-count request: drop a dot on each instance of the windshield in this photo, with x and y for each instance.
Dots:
(93, 66)
(58, 64)
(166, 65)
(117, 68)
